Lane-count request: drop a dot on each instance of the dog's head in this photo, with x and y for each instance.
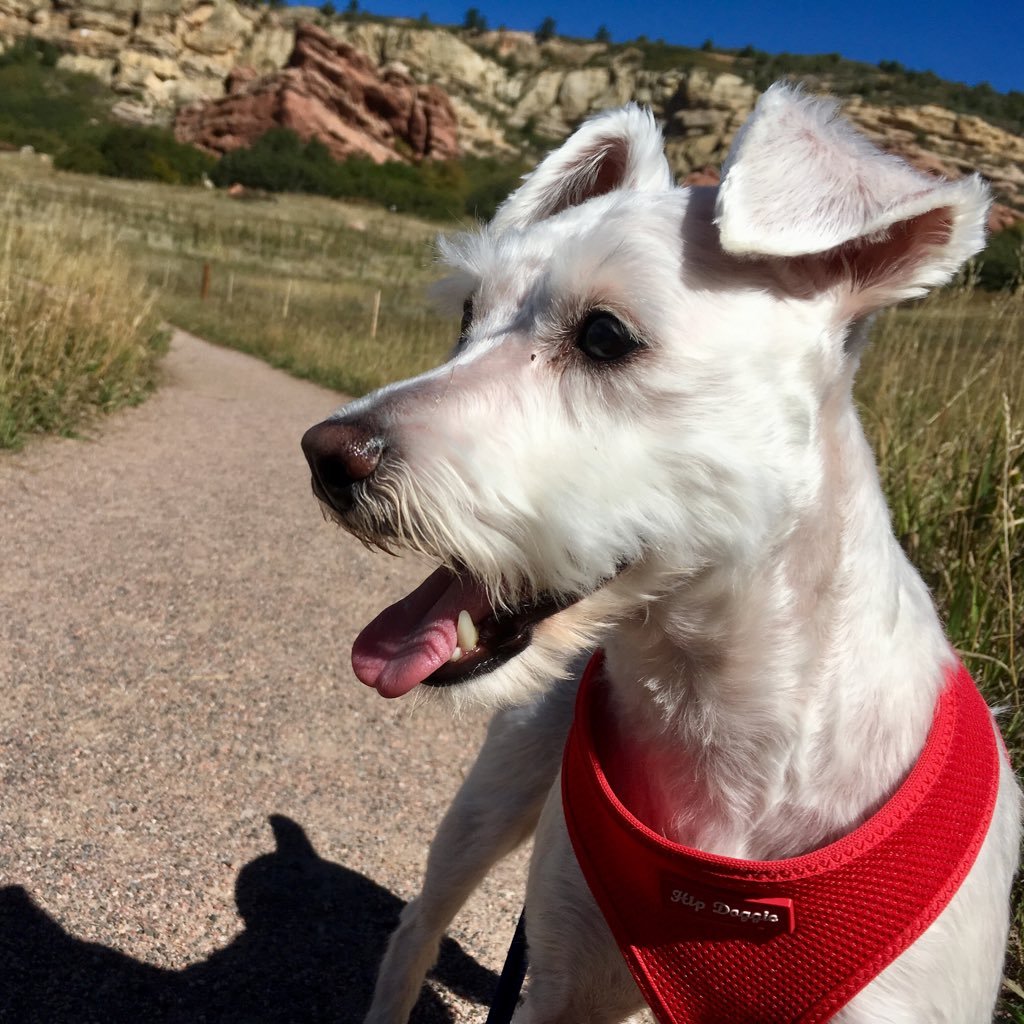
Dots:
(639, 388)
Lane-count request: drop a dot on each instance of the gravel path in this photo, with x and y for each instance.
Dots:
(203, 816)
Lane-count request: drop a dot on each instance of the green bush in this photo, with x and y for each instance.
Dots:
(474, 21)
(127, 151)
(43, 106)
(1001, 265)
(30, 51)
(281, 162)
(82, 157)
(153, 154)
(546, 30)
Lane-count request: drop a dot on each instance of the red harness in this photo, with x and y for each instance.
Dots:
(712, 939)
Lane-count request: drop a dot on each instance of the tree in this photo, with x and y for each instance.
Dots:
(708, 45)
(602, 35)
(546, 30)
(474, 21)
(327, 9)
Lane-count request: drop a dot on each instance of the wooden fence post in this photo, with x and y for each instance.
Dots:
(376, 314)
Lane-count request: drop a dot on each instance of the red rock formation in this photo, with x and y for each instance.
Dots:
(332, 92)
(1001, 217)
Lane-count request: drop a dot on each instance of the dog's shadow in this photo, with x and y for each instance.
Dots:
(314, 935)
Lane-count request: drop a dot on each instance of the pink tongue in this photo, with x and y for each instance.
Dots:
(415, 637)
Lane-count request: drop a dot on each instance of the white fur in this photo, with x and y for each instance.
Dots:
(773, 657)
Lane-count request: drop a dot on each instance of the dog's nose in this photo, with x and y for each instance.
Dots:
(340, 454)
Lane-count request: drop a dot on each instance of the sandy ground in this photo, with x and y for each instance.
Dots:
(203, 815)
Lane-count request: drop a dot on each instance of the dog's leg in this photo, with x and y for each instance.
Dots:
(496, 809)
(577, 974)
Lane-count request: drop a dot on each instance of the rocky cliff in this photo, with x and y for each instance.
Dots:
(505, 90)
(333, 92)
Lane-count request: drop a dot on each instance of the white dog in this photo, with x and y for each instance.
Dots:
(645, 439)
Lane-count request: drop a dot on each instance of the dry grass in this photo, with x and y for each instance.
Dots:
(942, 396)
(78, 332)
(943, 400)
(294, 282)
(292, 279)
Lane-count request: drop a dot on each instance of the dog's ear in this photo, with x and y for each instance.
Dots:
(801, 182)
(622, 149)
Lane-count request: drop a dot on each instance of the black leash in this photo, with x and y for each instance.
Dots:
(510, 984)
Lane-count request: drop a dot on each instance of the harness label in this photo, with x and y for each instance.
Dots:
(718, 912)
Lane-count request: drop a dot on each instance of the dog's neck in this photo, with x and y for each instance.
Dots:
(766, 709)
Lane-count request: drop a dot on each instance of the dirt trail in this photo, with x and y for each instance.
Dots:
(175, 622)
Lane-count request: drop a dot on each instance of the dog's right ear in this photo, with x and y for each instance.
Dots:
(621, 149)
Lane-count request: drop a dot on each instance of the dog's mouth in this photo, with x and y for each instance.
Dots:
(445, 632)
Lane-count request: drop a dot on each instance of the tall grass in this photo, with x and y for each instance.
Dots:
(78, 332)
(942, 398)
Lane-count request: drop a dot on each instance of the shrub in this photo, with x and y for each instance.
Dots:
(1001, 265)
(474, 21)
(127, 151)
(153, 154)
(546, 30)
(281, 162)
(43, 106)
(81, 157)
(30, 51)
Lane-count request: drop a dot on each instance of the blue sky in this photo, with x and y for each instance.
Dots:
(960, 41)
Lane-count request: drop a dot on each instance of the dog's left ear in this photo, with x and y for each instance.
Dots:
(621, 149)
(801, 182)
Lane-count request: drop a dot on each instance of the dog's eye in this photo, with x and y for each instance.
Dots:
(604, 338)
(467, 320)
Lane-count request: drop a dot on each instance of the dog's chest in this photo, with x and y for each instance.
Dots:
(711, 938)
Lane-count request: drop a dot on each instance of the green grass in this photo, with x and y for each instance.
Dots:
(294, 281)
(44, 107)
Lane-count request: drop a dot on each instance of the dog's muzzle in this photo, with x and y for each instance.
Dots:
(340, 455)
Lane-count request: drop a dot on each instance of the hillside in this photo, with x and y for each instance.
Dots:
(223, 72)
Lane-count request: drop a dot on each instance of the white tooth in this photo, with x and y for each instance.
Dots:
(466, 632)
(456, 654)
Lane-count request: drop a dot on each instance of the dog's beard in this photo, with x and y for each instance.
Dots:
(485, 579)
(432, 515)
